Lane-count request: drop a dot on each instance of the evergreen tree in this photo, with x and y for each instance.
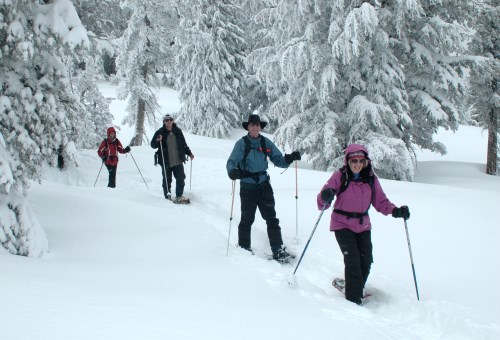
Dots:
(484, 85)
(211, 66)
(145, 51)
(385, 74)
(254, 98)
(37, 108)
(96, 116)
(106, 21)
(431, 45)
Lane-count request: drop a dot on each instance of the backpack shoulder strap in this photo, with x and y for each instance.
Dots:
(344, 180)
(263, 146)
(344, 183)
(248, 146)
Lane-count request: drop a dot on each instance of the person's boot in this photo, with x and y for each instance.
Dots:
(281, 255)
(182, 200)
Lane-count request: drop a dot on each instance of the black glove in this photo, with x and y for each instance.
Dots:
(327, 195)
(104, 159)
(127, 149)
(235, 174)
(402, 212)
(294, 156)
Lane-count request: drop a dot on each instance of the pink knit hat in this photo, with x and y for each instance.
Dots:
(357, 154)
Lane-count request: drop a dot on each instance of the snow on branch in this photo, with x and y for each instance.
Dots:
(431, 105)
(7, 180)
(390, 157)
(363, 115)
(449, 36)
(327, 84)
(359, 24)
(60, 19)
(295, 59)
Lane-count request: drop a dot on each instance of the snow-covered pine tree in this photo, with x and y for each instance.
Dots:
(430, 40)
(485, 77)
(146, 50)
(385, 74)
(104, 18)
(96, 117)
(377, 109)
(305, 81)
(106, 21)
(36, 106)
(255, 33)
(211, 65)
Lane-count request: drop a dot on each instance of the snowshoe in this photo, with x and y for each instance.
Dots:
(181, 200)
(340, 285)
(282, 256)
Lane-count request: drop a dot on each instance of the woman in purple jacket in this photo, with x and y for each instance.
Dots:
(357, 188)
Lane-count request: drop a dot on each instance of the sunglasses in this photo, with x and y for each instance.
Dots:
(168, 120)
(357, 160)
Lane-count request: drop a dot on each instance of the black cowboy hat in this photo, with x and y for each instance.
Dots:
(254, 119)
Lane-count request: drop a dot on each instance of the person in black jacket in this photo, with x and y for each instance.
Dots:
(172, 153)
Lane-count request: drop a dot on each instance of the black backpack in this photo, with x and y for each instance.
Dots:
(345, 181)
(248, 146)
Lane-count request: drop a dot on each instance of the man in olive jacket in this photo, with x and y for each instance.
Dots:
(171, 154)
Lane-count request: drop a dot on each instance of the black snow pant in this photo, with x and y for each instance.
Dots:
(357, 250)
(112, 175)
(261, 197)
(180, 177)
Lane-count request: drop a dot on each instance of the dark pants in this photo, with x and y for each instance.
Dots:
(358, 258)
(261, 197)
(112, 175)
(179, 175)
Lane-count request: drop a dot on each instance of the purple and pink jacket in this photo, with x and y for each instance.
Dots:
(357, 198)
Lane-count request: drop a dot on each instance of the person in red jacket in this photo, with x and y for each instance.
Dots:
(108, 151)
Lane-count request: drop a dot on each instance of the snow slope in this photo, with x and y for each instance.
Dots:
(125, 263)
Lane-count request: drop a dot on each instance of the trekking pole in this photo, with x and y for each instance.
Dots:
(230, 218)
(411, 259)
(164, 170)
(310, 237)
(190, 173)
(98, 174)
(296, 205)
(139, 170)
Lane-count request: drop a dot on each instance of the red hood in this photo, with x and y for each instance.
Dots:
(110, 130)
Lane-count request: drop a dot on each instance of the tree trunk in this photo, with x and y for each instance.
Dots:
(141, 114)
(492, 155)
(139, 123)
(60, 158)
(141, 105)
